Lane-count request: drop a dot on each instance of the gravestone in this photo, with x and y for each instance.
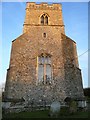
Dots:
(82, 104)
(55, 109)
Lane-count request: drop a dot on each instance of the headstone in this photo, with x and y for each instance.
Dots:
(55, 109)
(6, 104)
(82, 104)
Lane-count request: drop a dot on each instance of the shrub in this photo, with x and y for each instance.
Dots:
(73, 106)
(64, 111)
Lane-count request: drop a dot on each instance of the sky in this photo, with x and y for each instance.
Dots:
(75, 16)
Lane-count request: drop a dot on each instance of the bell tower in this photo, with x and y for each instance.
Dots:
(50, 14)
(44, 62)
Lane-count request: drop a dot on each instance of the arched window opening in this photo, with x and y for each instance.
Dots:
(44, 19)
(44, 69)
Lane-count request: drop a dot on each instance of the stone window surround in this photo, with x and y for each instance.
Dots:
(45, 78)
(44, 18)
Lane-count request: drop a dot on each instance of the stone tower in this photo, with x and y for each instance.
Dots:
(44, 63)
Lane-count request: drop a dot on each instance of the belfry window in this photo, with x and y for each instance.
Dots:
(44, 19)
(44, 68)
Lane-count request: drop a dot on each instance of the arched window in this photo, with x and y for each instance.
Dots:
(44, 68)
(44, 19)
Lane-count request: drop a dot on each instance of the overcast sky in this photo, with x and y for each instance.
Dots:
(75, 16)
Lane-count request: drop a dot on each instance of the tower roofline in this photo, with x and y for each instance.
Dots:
(54, 6)
(43, 3)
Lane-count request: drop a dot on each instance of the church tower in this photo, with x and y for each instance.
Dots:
(44, 63)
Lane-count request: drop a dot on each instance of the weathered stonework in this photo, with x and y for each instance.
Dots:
(22, 73)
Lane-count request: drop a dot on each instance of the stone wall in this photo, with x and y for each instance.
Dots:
(23, 63)
(73, 77)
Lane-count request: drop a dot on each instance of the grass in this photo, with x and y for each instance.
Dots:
(79, 115)
(43, 114)
(34, 114)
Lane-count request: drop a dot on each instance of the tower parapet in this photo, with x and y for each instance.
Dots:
(43, 5)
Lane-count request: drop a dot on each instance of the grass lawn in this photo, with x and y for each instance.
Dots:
(43, 114)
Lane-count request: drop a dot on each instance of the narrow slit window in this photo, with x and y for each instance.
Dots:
(44, 35)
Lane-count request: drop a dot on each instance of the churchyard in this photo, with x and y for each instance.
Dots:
(45, 114)
(55, 110)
